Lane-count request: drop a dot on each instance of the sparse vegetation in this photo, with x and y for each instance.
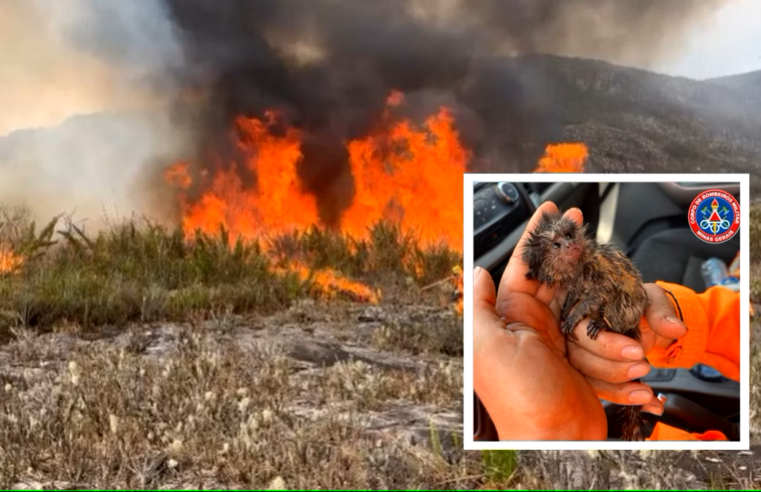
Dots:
(142, 271)
(421, 337)
(193, 363)
(213, 414)
(144, 372)
(754, 229)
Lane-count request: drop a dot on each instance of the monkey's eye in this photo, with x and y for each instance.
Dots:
(555, 245)
(568, 235)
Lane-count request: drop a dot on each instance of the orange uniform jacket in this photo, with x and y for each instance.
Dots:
(713, 321)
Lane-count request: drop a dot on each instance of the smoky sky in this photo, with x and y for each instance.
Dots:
(328, 67)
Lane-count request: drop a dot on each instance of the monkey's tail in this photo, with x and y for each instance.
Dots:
(632, 427)
(632, 422)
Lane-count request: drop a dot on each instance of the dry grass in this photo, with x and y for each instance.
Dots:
(421, 337)
(95, 405)
(754, 229)
(202, 408)
(210, 413)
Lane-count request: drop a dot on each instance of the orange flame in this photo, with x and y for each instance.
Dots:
(403, 173)
(411, 176)
(563, 158)
(458, 282)
(277, 204)
(9, 261)
(329, 282)
(178, 176)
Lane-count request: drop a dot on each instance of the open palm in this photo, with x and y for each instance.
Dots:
(521, 369)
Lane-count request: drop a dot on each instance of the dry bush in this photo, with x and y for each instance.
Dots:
(443, 336)
(213, 415)
(142, 271)
(368, 387)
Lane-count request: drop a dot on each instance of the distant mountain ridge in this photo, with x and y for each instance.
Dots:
(632, 120)
(747, 86)
(639, 121)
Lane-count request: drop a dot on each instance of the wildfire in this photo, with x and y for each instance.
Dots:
(178, 176)
(563, 158)
(412, 177)
(394, 99)
(403, 174)
(329, 283)
(9, 261)
(278, 202)
(458, 283)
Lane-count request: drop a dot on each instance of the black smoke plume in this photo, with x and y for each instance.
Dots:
(328, 66)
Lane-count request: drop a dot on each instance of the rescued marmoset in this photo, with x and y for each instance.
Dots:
(602, 284)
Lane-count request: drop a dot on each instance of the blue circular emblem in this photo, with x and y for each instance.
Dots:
(714, 216)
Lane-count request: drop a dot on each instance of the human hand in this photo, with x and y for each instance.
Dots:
(612, 360)
(521, 370)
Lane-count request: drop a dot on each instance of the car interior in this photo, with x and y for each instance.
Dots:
(647, 221)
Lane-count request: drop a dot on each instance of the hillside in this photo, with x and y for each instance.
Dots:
(632, 121)
(747, 85)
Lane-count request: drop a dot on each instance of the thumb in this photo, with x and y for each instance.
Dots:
(660, 314)
(483, 288)
(486, 321)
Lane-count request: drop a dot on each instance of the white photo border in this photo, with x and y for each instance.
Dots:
(468, 439)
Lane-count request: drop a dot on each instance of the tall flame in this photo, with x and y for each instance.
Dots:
(404, 174)
(408, 174)
(418, 183)
(277, 204)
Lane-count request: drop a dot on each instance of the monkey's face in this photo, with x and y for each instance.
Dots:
(555, 249)
(563, 250)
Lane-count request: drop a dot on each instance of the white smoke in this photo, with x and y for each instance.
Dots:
(61, 61)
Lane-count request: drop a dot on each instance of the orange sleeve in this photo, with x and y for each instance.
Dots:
(663, 432)
(713, 321)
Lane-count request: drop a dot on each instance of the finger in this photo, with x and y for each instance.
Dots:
(594, 366)
(655, 407)
(660, 314)
(608, 345)
(547, 295)
(575, 215)
(515, 273)
(483, 288)
(492, 344)
(630, 393)
(486, 323)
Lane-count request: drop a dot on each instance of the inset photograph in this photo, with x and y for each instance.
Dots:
(606, 308)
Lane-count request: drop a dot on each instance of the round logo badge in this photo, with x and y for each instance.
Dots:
(714, 216)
